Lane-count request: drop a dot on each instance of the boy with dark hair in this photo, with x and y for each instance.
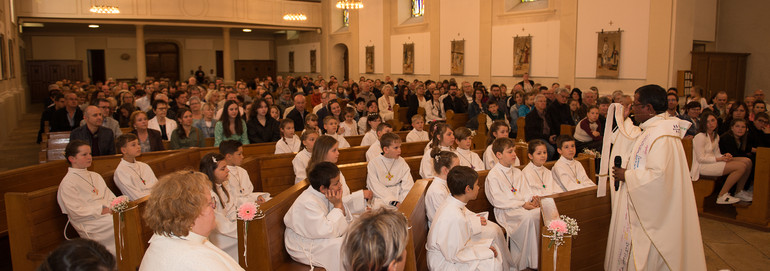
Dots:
(388, 176)
(239, 183)
(315, 222)
(133, 178)
(452, 242)
(376, 148)
(568, 172)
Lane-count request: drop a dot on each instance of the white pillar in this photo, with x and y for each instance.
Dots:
(141, 66)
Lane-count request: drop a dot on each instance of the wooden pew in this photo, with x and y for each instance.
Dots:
(567, 130)
(35, 226)
(28, 179)
(396, 122)
(480, 139)
(266, 249)
(520, 123)
(758, 213)
(402, 115)
(133, 234)
(456, 120)
(52, 146)
(413, 207)
(110, 162)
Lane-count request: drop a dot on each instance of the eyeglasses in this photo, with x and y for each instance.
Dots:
(213, 203)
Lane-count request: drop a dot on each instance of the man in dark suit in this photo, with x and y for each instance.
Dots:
(101, 139)
(455, 101)
(48, 114)
(558, 111)
(298, 113)
(537, 127)
(69, 117)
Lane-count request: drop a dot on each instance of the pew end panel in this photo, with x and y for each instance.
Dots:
(566, 129)
(35, 226)
(28, 179)
(265, 237)
(520, 123)
(413, 207)
(563, 253)
(276, 173)
(132, 233)
(758, 213)
(355, 175)
(480, 138)
(481, 203)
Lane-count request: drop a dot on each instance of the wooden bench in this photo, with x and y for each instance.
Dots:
(52, 146)
(133, 234)
(413, 207)
(402, 114)
(456, 120)
(396, 122)
(480, 138)
(520, 132)
(28, 179)
(35, 226)
(566, 129)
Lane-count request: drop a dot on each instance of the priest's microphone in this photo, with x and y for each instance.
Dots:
(618, 163)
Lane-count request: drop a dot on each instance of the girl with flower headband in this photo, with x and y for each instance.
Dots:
(442, 139)
(326, 149)
(225, 236)
(300, 160)
(84, 197)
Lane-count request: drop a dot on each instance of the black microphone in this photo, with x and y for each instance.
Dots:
(618, 163)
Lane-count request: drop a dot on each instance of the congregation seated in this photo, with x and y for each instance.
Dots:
(181, 231)
(149, 139)
(692, 111)
(160, 122)
(231, 125)
(107, 120)
(186, 135)
(68, 117)
(133, 178)
(538, 127)
(206, 123)
(590, 131)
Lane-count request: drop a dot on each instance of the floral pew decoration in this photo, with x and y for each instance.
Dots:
(119, 205)
(248, 211)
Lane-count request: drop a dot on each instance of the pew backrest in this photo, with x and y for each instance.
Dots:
(28, 179)
(456, 120)
(413, 207)
(520, 131)
(132, 235)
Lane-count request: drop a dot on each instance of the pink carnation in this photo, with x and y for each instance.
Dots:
(117, 201)
(247, 211)
(558, 225)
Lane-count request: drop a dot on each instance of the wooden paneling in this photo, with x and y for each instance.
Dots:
(41, 73)
(247, 70)
(715, 72)
(162, 60)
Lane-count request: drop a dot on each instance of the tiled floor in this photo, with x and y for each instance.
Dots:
(733, 247)
(727, 246)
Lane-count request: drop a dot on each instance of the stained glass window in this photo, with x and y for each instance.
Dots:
(345, 17)
(418, 8)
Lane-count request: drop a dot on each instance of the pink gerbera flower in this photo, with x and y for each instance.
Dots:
(558, 225)
(247, 211)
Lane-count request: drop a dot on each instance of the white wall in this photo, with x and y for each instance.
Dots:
(545, 48)
(301, 57)
(459, 21)
(371, 17)
(422, 49)
(705, 20)
(632, 17)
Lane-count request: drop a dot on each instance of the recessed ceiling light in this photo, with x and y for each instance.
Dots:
(93, 26)
(32, 24)
(246, 30)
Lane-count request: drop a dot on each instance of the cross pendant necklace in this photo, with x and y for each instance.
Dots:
(389, 176)
(91, 183)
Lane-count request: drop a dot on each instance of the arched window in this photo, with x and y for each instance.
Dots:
(345, 18)
(418, 8)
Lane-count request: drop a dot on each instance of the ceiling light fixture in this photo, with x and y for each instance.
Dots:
(246, 30)
(93, 26)
(104, 8)
(294, 17)
(350, 4)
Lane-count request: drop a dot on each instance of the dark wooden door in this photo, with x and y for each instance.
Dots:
(41, 73)
(716, 72)
(162, 60)
(247, 70)
(220, 60)
(96, 66)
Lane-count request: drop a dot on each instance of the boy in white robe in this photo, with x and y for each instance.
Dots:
(376, 149)
(452, 243)
(464, 140)
(299, 163)
(330, 125)
(315, 222)
(388, 176)
(84, 197)
(516, 205)
(238, 182)
(132, 177)
(568, 172)
(417, 133)
(289, 142)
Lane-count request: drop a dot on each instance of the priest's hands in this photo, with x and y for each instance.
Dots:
(619, 174)
(368, 194)
(493, 250)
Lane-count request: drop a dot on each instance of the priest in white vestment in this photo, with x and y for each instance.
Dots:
(661, 217)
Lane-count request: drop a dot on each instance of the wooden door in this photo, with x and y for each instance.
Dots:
(41, 73)
(247, 70)
(716, 71)
(162, 59)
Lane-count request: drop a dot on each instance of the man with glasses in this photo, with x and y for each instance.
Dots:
(654, 222)
(107, 121)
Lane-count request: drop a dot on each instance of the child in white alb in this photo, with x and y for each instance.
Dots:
(330, 125)
(376, 149)
(568, 172)
(417, 133)
(289, 142)
(388, 176)
(300, 161)
(132, 177)
(468, 158)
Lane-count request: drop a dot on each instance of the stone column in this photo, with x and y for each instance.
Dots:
(227, 61)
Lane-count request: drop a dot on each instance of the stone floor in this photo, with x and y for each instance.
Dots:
(727, 246)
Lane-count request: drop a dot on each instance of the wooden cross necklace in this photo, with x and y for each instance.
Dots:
(138, 173)
(466, 159)
(91, 183)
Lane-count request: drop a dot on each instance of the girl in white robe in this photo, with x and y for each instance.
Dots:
(225, 237)
(84, 197)
(349, 126)
(332, 126)
(370, 136)
(498, 129)
(289, 142)
(417, 133)
(442, 139)
(326, 149)
(464, 139)
(302, 158)
(388, 176)
(133, 178)
(516, 204)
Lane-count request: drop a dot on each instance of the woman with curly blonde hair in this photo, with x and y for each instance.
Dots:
(180, 211)
(376, 241)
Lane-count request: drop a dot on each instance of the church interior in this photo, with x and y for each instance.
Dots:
(606, 47)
